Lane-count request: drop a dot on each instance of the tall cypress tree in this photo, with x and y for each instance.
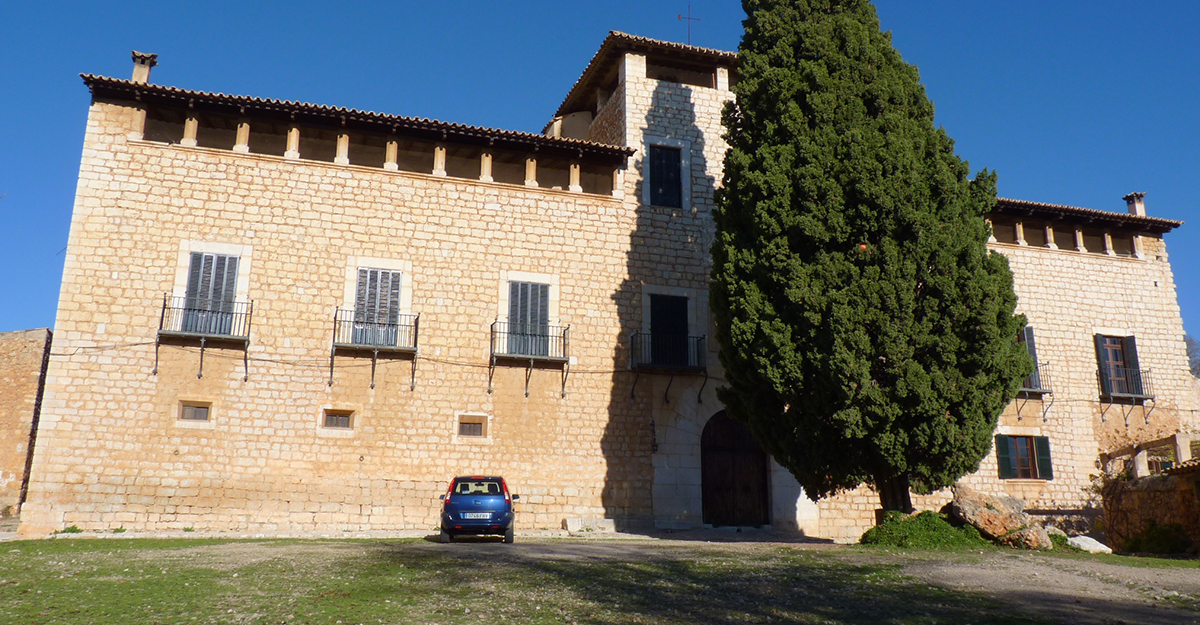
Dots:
(867, 334)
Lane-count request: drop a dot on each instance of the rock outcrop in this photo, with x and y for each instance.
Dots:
(1001, 519)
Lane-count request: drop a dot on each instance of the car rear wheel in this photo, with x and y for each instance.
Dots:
(445, 537)
(508, 535)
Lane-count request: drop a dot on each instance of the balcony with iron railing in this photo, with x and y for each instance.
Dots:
(355, 330)
(358, 333)
(667, 352)
(194, 319)
(1038, 382)
(530, 341)
(205, 318)
(1123, 383)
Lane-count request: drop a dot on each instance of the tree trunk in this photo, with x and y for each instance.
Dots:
(893, 493)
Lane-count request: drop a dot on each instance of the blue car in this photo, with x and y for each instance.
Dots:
(478, 506)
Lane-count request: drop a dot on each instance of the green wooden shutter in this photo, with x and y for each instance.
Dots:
(1044, 469)
(1133, 372)
(1004, 457)
(1103, 366)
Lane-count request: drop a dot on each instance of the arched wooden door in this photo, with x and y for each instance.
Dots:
(733, 474)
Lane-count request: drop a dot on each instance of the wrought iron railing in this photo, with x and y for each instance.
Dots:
(668, 351)
(356, 329)
(529, 340)
(1122, 382)
(209, 318)
(1038, 381)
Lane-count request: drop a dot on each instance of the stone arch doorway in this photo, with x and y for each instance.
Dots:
(733, 474)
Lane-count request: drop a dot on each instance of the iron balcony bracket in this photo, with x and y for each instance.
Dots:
(699, 393)
(566, 372)
(528, 374)
(491, 371)
(667, 393)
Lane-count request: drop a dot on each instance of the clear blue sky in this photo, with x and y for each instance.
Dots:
(1072, 102)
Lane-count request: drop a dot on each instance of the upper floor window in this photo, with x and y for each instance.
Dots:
(209, 298)
(1034, 381)
(376, 307)
(528, 318)
(1119, 372)
(664, 176)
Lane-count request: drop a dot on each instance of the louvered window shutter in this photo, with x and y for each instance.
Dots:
(1034, 381)
(195, 269)
(360, 294)
(1004, 457)
(1104, 366)
(377, 307)
(1044, 469)
(528, 318)
(1133, 371)
(210, 293)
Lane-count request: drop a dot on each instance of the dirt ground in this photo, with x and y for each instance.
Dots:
(700, 577)
(1081, 589)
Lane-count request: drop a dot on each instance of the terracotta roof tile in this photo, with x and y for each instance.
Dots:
(104, 85)
(1075, 213)
(617, 41)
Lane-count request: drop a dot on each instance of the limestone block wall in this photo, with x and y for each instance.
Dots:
(1130, 506)
(22, 358)
(115, 453)
(1068, 297)
(669, 253)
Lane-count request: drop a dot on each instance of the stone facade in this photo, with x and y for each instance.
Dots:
(595, 435)
(23, 357)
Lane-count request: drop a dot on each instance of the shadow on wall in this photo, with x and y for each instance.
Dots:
(669, 247)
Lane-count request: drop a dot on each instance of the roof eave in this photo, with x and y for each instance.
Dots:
(1156, 225)
(103, 86)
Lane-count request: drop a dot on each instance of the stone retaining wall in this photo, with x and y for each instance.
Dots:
(1131, 505)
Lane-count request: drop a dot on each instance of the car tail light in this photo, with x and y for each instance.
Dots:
(507, 497)
(449, 491)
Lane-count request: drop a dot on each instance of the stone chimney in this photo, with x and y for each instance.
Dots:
(1136, 203)
(141, 66)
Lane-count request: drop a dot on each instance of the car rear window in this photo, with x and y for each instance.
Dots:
(478, 487)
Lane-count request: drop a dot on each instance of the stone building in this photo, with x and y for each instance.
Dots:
(23, 359)
(287, 317)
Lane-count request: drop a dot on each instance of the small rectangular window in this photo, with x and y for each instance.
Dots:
(472, 425)
(189, 411)
(1024, 457)
(339, 419)
(666, 187)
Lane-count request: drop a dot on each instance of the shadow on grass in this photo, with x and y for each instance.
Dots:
(608, 582)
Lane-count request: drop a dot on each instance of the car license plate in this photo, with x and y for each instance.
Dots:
(477, 515)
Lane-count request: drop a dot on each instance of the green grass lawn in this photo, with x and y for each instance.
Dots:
(415, 581)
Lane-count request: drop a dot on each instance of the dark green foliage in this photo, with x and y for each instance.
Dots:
(867, 334)
(1162, 539)
(927, 530)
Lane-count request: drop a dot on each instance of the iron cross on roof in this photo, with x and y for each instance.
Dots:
(689, 19)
